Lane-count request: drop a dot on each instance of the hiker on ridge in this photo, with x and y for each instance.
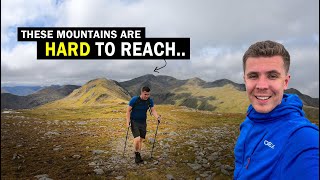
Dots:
(137, 118)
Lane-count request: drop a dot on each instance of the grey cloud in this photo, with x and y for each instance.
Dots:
(220, 33)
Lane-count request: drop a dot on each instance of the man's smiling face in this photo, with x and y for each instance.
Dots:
(266, 80)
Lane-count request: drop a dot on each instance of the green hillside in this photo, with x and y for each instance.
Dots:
(219, 99)
(97, 92)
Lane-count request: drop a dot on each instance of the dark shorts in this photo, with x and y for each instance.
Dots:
(138, 129)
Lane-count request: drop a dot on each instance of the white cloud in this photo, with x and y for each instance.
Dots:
(19, 12)
(219, 32)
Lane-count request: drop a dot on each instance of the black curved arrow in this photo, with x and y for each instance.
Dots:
(156, 69)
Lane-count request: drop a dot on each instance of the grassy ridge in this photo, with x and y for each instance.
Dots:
(225, 99)
(47, 139)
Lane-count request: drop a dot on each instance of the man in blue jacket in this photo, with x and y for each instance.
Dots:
(276, 141)
(137, 118)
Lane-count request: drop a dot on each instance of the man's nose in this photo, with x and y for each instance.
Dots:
(262, 83)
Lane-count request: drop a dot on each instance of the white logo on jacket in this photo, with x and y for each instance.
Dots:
(268, 143)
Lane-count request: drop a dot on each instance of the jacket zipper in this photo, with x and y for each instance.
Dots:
(248, 163)
(244, 150)
(244, 144)
(249, 158)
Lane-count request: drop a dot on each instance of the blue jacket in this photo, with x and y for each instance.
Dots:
(281, 144)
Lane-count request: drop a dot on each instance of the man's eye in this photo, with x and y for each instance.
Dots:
(252, 76)
(273, 76)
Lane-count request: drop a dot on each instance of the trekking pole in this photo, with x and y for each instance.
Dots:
(155, 136)
(125, 144)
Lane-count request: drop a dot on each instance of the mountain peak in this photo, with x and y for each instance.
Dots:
(307, 100)
(149, 77)
(223, 82)
(96, 92)
(196, 81)
(98, 80)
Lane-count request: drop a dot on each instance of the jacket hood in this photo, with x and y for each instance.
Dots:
(290, 104)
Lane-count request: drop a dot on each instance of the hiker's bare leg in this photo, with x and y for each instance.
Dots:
(136, 142)
(141, 140)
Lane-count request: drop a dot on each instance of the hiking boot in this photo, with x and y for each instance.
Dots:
(138, 158)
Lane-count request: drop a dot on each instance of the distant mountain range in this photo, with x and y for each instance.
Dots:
(3, 91)
(197, 93)
(21, 90)
(307, 100)
(43, 96)
(220, 96)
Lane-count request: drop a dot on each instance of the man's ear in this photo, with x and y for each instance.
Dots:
(286, 81)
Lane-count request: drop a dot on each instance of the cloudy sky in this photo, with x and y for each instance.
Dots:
(220, 32)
